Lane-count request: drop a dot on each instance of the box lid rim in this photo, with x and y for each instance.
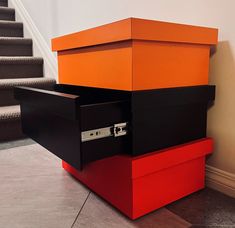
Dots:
(146, 164)
(137, 29)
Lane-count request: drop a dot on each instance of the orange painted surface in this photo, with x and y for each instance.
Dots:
(165, 65)
(136, 54)
(108, 66)
(139, 185)
(172, 32)
(135, 28)
(113, 32)
(137, 65)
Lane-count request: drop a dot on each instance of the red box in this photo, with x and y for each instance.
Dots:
(139, 185)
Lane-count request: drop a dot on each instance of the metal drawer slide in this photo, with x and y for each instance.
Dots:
(116, 130)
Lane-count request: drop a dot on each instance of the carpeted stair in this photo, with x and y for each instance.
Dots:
(7, 14)
(3, 3)
(20, 67)
(13, 46)
(11, 29)
(17, 68)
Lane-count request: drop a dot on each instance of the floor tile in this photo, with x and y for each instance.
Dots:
(35, 192)
(96, 213)
(206, 208)
(32, 160)
(16, 143)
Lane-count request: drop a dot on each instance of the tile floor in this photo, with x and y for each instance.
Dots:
(35, 192)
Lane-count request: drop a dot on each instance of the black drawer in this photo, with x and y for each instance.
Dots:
(84, 124)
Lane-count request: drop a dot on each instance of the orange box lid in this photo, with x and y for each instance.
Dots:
(137, 29)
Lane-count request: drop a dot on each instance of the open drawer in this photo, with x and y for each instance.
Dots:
(61, 122)
(84, 124)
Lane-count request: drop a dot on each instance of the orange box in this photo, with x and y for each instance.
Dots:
(136, 54)
(139, 185)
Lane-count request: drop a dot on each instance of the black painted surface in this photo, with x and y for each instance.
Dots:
(157, 119)
(167, 117)
(51, 119)
(64, 105)
(55, 120)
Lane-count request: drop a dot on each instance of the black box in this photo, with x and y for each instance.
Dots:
(84, 124)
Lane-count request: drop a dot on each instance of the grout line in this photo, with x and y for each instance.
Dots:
(81, 209)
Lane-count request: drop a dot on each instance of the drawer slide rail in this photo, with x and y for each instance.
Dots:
(116, 130)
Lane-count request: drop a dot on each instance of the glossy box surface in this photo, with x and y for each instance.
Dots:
(137, 186)
(136, 54)
(156, 119)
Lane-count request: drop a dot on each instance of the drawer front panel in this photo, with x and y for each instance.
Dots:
(51, 119)
(57, 134)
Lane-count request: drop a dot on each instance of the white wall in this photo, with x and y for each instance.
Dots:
(59, 17)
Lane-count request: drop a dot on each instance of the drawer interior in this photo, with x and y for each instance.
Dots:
(89, 95)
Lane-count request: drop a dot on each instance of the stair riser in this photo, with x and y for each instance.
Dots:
(10, 130)
(7, 98)
(7, 16)
(20, 71)
(3, 3)
(15, 50)
(7, 95)
(11, 32)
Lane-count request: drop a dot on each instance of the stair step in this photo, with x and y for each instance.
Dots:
(11, 29)
(10, 124)
(15, 46)
(7, 14)
(10, 113)
(7, 88)
(16, 67)
(3, 3)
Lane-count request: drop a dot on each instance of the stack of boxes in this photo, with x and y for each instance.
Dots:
(143, 55)
(163, 70)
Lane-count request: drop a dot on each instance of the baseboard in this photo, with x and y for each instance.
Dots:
(40, 46)
(220, 180)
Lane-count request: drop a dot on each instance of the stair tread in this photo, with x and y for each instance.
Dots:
(11, 23)
(20, 59)
(10, 112)
(7, 9)
(10, 83)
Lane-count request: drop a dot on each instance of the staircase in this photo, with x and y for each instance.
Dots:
(17, 68)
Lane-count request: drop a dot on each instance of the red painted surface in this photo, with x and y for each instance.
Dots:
(139, 185)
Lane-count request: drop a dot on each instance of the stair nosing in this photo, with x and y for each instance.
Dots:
(11, 83)
(21, 60)
(16, 40)
(4, 8)
(11, 23)
(10, 115)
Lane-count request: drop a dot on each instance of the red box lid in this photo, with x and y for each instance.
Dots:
(156, 161)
